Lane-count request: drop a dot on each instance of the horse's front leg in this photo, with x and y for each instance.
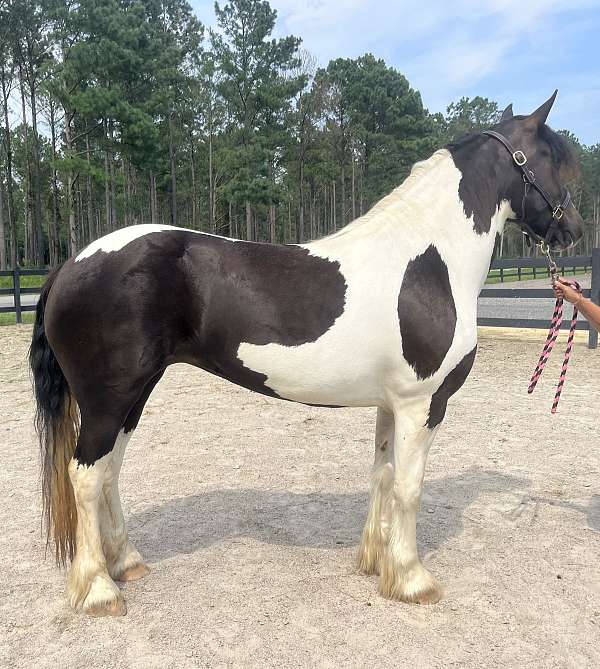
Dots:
(402, 576)
(374, 534)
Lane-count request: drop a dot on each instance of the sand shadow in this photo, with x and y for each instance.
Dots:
(314, 520)
(593, 513)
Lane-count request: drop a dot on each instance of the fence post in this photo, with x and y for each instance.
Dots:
(17, 294)
(595, 294)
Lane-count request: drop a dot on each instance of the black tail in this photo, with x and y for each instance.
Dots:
(57, 425)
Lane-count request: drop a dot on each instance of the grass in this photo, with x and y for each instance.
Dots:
(25, 281)
(11, 319)
(527, 273)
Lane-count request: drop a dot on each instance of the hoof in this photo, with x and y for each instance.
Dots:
(134, 573)
(103, 597)
(413, 586)
(114, 608)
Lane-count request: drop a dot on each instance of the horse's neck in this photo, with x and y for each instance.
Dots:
(425, 209)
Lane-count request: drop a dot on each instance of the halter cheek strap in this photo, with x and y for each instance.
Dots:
(529, 179)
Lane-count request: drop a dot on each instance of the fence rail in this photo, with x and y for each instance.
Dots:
(17, 291)
(564, 264)
(503, 265)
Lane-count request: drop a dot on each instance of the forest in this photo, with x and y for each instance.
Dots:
(122, 112)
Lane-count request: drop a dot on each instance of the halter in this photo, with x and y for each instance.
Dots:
(529, 179)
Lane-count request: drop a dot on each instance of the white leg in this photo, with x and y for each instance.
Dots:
(89, 586)
(402, 574)
(375, 532)
(123, 560)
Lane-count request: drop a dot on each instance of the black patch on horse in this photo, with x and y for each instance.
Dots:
(454, 380)
(179, 296)
(478, 190)
(426, 312)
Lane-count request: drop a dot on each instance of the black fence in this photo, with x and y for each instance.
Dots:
(17, 291)
(511, 268)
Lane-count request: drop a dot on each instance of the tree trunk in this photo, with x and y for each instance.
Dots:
(113, 185)
(193, 175)
(124, 172)
(173, 174)
(28, 236)
(153, 207)
(333, 212)
(353, 189)
(12, 223)
(107, 207)
(230, 219)
(73, 243)
(53, 236)
(211, 185)
(301, 208)
(2, 231)
(361, 210)
(37, 181)
(343, 210)
(88, 186)
(249, 236)
(272, 226)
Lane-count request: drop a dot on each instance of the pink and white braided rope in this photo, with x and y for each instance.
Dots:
(555, 324)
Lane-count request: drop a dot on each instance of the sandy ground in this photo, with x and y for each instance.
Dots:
(249, 512)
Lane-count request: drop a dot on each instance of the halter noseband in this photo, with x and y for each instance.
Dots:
(520, 160)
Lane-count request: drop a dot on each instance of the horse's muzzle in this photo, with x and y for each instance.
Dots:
(568, 231)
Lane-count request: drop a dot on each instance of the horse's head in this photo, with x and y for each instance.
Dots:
(543, 163)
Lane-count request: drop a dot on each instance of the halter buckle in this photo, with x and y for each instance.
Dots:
(519, 157)
(558, 212)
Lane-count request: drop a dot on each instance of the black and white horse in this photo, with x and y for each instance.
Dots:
(382, 313)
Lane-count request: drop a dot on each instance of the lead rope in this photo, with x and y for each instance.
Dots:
(555, 324)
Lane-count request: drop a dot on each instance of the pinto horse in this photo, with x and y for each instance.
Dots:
(382, 313)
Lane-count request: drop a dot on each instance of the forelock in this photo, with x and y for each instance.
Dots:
(563, 153)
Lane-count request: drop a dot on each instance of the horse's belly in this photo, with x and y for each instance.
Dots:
(316, 374)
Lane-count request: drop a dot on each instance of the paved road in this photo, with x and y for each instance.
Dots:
(8, 301)
(488, 306)
(508, 307)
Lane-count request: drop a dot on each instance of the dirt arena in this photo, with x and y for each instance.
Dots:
(249, 512)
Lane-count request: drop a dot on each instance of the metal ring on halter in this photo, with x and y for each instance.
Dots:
(522, 158)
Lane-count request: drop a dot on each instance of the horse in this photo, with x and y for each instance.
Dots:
(382, 313)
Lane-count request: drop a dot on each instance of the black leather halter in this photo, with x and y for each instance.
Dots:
(529, 179)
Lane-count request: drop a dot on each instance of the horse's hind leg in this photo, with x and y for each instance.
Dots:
(124, 562)
(89, 585)
(374, 536)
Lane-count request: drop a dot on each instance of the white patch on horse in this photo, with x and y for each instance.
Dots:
(123, 560)
(368, 367)
(118, 239)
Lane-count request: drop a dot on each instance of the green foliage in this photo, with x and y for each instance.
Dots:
(470, 115)
(145, 118)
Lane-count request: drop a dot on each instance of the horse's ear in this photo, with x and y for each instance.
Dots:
(539, 116)
(507, 113)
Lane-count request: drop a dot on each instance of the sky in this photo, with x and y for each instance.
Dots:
(515, 51)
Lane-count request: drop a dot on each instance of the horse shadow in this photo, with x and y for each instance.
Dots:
(312, 520)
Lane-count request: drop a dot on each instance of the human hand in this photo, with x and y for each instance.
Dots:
(565, 291)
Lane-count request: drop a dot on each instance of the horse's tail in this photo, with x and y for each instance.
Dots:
(57, 425)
